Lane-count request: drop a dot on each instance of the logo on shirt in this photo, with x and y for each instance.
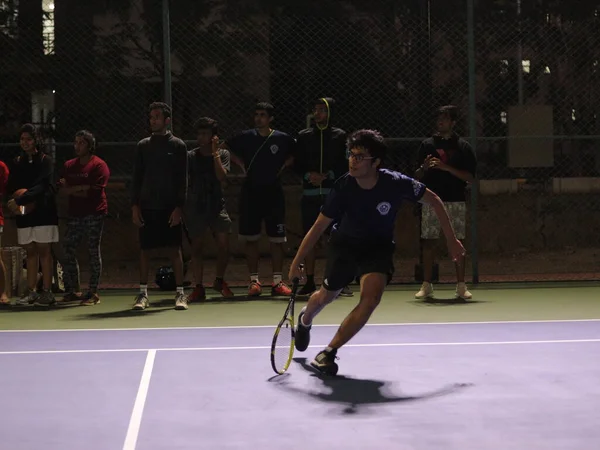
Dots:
(274, 149)
(416, 187)
(384, 208)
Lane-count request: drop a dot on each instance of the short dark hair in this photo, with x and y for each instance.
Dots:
(163, 107)
(89, 138)
(448, 110)
(270, 109)
(206, 123)
(371, 140)
(29, 128)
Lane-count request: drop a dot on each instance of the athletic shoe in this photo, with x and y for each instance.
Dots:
(198, 294)
(46, 298)
(302, 336)
(325, 363)
(346, 292)
(280, 289)
(181, 301)
(463, 292)
(426, 291)
(223, 289)
(255, 289)
(141, 302)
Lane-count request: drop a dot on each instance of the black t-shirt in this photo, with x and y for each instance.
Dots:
(455, 152)
(205, 192)
(370, 214)
(263, 156)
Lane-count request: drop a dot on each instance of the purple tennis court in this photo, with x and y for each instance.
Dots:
(517, 385)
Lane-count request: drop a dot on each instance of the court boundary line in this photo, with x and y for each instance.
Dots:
(135, 421)
(233, 327)
(268, 347)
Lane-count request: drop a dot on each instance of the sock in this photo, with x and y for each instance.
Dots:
(144, 288)
(304, 324)
(310, 280)
(277, 278)
(180, 289)
(254, 277)
(330, 349)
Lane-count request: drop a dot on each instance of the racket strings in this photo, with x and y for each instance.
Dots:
(283, 346)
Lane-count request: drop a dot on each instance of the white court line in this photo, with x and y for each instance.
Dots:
(242, 327)
(268, 347)
(140, 400)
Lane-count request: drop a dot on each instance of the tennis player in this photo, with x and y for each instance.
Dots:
(262, 153)
(159, 191)
(362, 244)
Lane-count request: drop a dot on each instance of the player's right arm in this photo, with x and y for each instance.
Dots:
(231, 146)
(308, 243)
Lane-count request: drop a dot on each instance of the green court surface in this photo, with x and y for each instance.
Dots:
(492, 302)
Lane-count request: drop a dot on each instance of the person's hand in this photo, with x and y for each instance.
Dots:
(436, 163)
(12, 205)
(136, 213)
(296, 271)
(456, 250)
(215, 146)
(175, 218)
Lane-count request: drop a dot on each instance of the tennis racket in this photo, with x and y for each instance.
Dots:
(282, 347)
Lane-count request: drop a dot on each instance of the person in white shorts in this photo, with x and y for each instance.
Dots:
(31, 187)
(447, 164)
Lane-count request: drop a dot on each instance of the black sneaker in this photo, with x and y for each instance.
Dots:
(302, 338)
(325, 363)
(307, 289)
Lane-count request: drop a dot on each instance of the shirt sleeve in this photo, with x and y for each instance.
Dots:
(469, 158)
(101, 176)
(41, 185)
(422, 154)
(334, 203)
(225, 160)
(3, 178)
(408, 188)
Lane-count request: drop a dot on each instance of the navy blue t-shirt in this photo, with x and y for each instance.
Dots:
(370, 214)
(263, 156)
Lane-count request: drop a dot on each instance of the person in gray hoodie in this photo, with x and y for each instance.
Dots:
(321, 159)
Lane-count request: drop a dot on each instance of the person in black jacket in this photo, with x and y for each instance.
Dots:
(31, 188)
(159, 192)
(321, 159)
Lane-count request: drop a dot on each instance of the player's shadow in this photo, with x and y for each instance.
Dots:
(355, 393)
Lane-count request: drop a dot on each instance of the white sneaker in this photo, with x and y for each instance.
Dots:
(463, 292)
(181, 302)
(425, 292)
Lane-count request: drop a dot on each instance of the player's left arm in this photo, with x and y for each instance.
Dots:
(466, 171)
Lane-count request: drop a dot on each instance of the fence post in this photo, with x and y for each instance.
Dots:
(473, 135)
(166, 26)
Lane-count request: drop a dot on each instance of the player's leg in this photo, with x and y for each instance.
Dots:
(73, 236)
(45, 236)
(275, 229)
(196, 229)
(222, 229)
(25, 240)
(458, 212)
(173, 240)
(95, 226)
(375, 269)
(340, 269)
(249, 228)
(430, 233)
(149, 239)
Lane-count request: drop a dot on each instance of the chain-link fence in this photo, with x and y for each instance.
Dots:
(532, 120)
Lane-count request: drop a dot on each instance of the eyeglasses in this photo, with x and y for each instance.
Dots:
(358, 157)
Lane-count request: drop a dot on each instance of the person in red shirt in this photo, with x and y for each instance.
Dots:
(4, 300)
(84, 180)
